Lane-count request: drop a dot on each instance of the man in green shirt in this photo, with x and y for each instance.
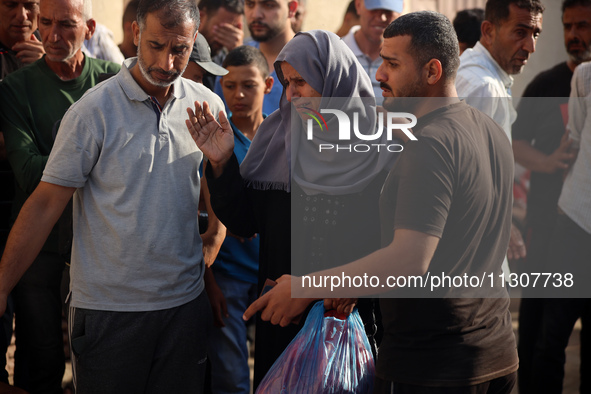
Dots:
(32, 103)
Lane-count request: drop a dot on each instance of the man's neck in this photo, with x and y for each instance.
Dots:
(128, 49)
(442, 96)
(272, 47)
(368, 47)
(160, 93)
(248, 125)
(68, 69)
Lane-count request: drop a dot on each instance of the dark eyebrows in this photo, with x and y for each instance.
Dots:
(388, 58)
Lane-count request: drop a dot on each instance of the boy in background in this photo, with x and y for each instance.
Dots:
(231, 280)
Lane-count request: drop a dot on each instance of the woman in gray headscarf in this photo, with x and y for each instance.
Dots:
(286, 179)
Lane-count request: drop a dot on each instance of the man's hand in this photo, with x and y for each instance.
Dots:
(217, 300)
(341, 305)
(227, 35)
(516, 249)
(216, 140)
(29, 51)
(277, 306)
(563, 157)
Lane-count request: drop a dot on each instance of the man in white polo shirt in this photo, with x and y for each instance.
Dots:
(366, 39)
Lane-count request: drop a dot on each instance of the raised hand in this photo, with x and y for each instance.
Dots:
(216, 140)
(228, 35)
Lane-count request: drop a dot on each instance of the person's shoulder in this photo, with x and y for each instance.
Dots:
(478, 82)
(583, 70)
(103, 66)
(23, 72)
(19, 81)
(199, 92)
(547, 79)
(101, 94)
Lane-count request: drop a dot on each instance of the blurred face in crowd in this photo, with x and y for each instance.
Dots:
(194, 72)
(513, 40)
(163, 53)
(298, 19)
(209, 21)
(63, 28)
(374, 22)
(266, 19)
(244, 90)
(577, 33)
(398, 75)
(18, 20)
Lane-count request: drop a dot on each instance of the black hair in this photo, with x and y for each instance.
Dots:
(572, 3)
(130, 13)
(467, 25)
(351, 9)
(246, 55)
(211, 6)
(432, 37)
(173, 12)
(496, 11)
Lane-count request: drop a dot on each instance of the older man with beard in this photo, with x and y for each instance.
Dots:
(138, 315)
(33, 101)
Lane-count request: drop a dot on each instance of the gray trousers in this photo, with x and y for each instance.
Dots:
(160, 351)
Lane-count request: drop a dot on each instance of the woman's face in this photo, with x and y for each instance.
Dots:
(297, 88)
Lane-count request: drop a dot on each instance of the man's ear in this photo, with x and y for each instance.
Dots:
(91, 25)
(202, 16)
(487, 33)
(434, 71)
(358, 6)
(293, 7)
(269, 84)
(135, 28)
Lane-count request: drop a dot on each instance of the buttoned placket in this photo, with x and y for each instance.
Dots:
(161, 119)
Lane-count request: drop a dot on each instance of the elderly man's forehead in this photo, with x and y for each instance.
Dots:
(69, 7)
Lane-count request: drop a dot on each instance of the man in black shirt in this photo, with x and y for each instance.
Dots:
(445, 207)
(541, 145)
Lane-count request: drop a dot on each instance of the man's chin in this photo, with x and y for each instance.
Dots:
(161, 83)
(517, 69)
(261, 37)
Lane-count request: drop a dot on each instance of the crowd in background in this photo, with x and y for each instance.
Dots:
(65, 81)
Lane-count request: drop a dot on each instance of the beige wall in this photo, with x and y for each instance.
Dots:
(110, 14)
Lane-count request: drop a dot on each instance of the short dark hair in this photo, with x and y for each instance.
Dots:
(245, 55)
(572, 3)
(174, 12)
(496, 11)
(351, 9)
(211, 6)
(467, 25)
(130, 13)
(432, 37)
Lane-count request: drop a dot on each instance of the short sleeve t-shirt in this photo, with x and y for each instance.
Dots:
(136, 243)
(454, 183)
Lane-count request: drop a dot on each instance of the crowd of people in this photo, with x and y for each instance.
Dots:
(166, 193)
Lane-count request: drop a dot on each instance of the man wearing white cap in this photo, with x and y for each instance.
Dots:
(366, 39)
